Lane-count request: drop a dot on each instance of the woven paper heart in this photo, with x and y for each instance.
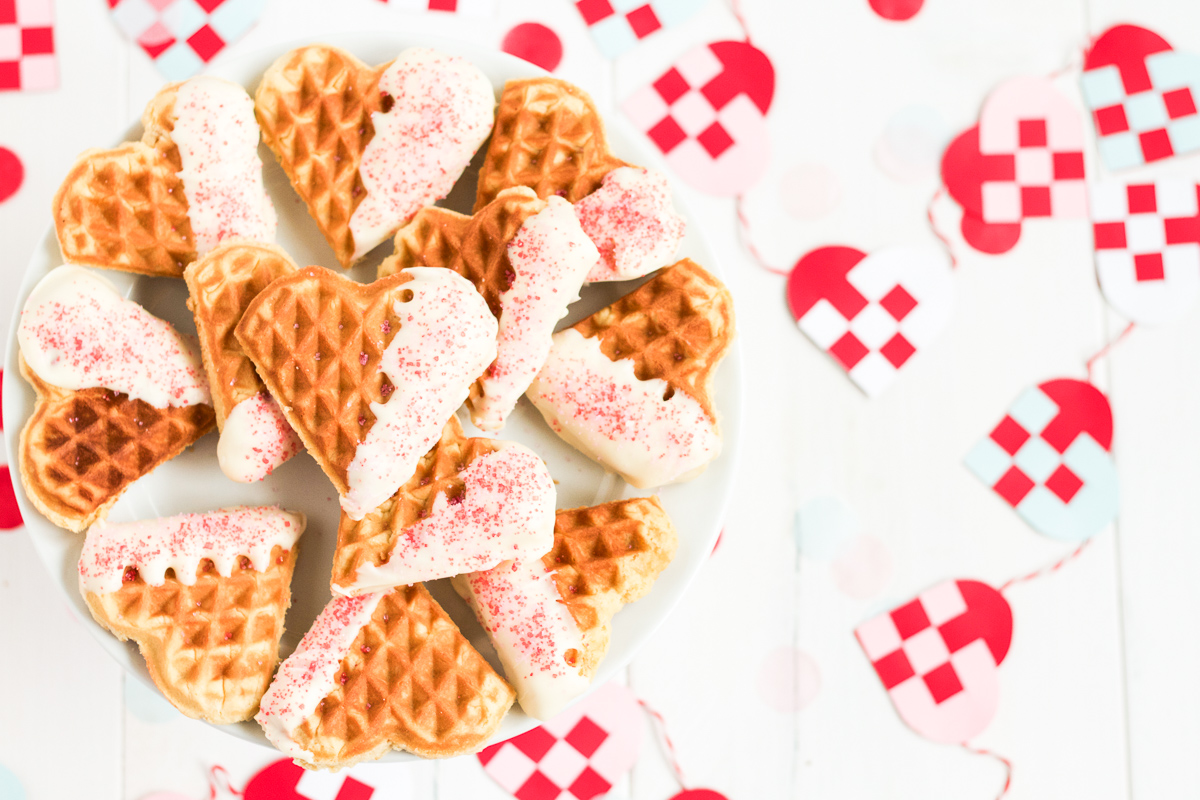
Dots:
(181, 36)
(27, 58)
(580, 754)
(1148, 247)
(1024, 159)
(871, 313)
(707, 114)
(938, 655)
(285, 780)
(618, 25)
(1142, 95)
(478, 8)
(1049, 459)
(368, 147)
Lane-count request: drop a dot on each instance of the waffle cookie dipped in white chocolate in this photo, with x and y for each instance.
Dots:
(203, 595)
(631, 385)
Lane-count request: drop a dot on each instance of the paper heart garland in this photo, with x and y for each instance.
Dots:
(182, 36)
(938, 657)
(1049, 459)
(1142, 95)
(1024, 159)
(618, 25)
(871, 313)
(707, 114)
(1147, 238)
(579, 754)
(27, 58)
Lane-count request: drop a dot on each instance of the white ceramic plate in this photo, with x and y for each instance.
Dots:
(193, 481)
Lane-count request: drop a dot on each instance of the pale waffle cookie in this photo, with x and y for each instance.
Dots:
(548, 136)
(220, 287)
(664, 339)
(211, 644)
(549, 618)
(371, 539)
(81, 449)
(315, 106)
(128, 208)
(382, 671)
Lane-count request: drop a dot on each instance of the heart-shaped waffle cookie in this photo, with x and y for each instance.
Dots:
(368, 147)
(381, 671)
(152, 206)
(528, 258)
(631, 385)
(549, 137)
(603, 557)
(355, 368)
(203, 595)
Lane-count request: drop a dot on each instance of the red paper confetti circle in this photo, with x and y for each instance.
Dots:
(535, 43)
(699, 794)
(897, 10)
(12, 173)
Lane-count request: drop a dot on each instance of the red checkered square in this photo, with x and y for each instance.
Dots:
(1064, 483)
(8, 12)
(37, 41)
(1032, 132)
(848, 351)
(586, 737)
(1009, 435)
(1156, 145)
(535, 743)
(537, 787)
(210, 5)
(443, 5)
(595, 10)
(643, 21)
(715, 140)
(1068, 166)
(206, 43)
(1109, 235)
(943, 682)
(894, 669)
(1179, 103)
(897, 350)
(1013, 486)
(1035, 201)
(1111, 120)
(898, 302)
(10, 75)
(910, 619)
(671, 86)
(1148, 267)
(1142, 198)
(667, 134)
(589, 784)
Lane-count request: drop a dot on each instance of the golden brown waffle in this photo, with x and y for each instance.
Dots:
(210, 647)
(549, 137)
(676, 327)
(316, 339)
(314, 106)
(475, 247)
(411, 681)
(125, 208)
(604, 557)
(220, 287)
(371, 539)
(80, 450)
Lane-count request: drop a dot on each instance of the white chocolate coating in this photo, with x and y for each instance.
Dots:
(77, 333)
(632, 222)
(256, 439)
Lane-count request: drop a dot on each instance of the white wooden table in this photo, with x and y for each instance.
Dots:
(1099, 694)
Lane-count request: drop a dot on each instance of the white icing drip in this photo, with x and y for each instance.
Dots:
(180, 543)
(506, 511)
(217, 137)
(631, 220)
(600, 407)
(447, 337)
(77, 332)
(550, 255)
(443, 111)
(256, 439)
(519, 606)
(309, 674)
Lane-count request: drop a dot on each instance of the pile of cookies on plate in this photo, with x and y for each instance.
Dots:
(369, 378)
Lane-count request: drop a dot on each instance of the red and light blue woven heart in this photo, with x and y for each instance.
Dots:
(871, 314)
(1142, 95)
(181, 36)
(1049, 459)
(707, 114)
(1147, 238)
(27, 57)
(1023, 160)
(938, 657)
(618, 25)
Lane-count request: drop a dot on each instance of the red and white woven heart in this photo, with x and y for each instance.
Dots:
(27, 58)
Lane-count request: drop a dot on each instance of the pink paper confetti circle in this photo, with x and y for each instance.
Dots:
(809, 191)
(12, 173)
(535, 43)
(864, 568)
(897, 10)
(788, 680)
